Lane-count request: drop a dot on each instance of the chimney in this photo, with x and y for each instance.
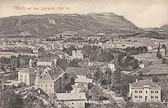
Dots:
(136, 80)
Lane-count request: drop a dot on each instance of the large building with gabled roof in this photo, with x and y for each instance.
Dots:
(144, 91)
(51, 79)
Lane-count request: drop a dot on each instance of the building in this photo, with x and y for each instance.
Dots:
(45, 62)
(51, 80)
(27, 76)
(78, 72)
(72, 100)
(8, 54)
(83, 81)
(1, 81)
(111, 66)
(144, 91)
(77, 54)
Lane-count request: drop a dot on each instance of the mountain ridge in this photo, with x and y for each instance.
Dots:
(49, 24)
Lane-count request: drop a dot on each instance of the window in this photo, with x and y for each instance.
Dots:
(140, 96)
(152, 91)
(152, 97)
(156, 97)
(136, 96)
(21, 75)
(140, 91)
(156, 91)
(146, 91)
(136, 91)
(46, 85)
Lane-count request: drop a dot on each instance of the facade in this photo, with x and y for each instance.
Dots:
(78, 72)
(77, 54)
(83, 81)
(72, 100)
(111, 66)
(145, 91)
(1, 81)
(51, 80)
(27, 76)
(45, 62)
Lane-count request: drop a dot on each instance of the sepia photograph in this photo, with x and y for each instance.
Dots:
(83, 53)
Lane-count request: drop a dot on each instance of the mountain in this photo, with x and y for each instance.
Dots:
(164, 28)
(55, 23)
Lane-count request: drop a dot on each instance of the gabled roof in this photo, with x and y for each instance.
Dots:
(77, 71)
(27, 70)
(51, 74)
(70, 96)
(83, 80)
(45, 60)
(144, 83)
(158, 72)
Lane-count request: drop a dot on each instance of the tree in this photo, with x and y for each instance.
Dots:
(97, 75)
(10, 100)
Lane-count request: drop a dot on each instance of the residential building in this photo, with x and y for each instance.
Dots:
(46, 62)
(51, 80)
(72, 100)
(27, 76)
(1, 81)
(111, 66)
(83, 81)
(77, 72)
(77, 54)
(145, 91)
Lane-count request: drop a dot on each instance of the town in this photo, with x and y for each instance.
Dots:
(67, 70)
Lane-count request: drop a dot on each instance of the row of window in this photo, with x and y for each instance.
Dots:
(22, 80)
(146, 91)
(137, 91)
(154, 91)
(137, 96)
(30, 75)
(44, 85)
(156, 97)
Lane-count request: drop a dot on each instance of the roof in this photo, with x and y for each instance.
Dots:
(145, 83)
(51, 73)
(83, 80)
(27, 70)
(157, 72)
(71, 96)
(77, 71)
(45, 60)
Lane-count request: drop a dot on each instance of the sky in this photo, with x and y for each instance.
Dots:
(143, 13)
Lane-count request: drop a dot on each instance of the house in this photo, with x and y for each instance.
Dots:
(77, 72)
(83, 81)
(27, 76)
(45, 62)
(51, 80)
(1, 81)
(77, 54)
(144, 91)
(72, 100)
(111, 66)
(8, 54)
